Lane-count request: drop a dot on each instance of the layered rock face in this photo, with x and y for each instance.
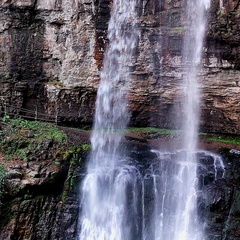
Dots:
(51, 54)
(39, 194)
(159, 67)
(48, 53)
(38, 212)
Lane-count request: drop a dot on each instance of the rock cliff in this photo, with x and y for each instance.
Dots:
(51, 53)
(42, 201)
(39, 181)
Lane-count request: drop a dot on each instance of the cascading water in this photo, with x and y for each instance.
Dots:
(166, 196)
(183, 206)
(192, 51)
(175, 209)
(154, 199)
(104, 214)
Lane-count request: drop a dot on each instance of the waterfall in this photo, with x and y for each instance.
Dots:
(104, 188)
(192, 52)
(121, 197)
(170, 204)
(175, 210)
(186, 224)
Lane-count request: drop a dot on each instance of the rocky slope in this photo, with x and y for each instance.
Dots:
(39, 181)
(41, 196)
(51, 53)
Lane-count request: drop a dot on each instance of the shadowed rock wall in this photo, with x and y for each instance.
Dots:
(51, 53)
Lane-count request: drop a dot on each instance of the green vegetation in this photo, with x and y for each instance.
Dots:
(153, 129)
(5, 118)
(2, 178)
(86, 147)
(230, 140)
(23, 139)
(74, 154)
(40, 141)
(152, 132)
(2, 174)
(41, 130)
(176, 30)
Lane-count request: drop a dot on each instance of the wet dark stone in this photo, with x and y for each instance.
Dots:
(41, 213)
(219, 199)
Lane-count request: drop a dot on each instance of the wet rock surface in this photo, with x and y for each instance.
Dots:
(40, 207)
(39, 198)
(39, 217)
(218, 199)
(42, 198)
(36, 203)
(219, 196)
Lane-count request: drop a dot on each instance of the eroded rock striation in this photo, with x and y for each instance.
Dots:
(51, 53)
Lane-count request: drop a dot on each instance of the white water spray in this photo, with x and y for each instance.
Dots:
(104, 215)
(192, 53)
(120, 201)
(176, 189)
(187, 225)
